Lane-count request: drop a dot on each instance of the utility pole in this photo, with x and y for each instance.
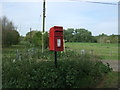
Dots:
(30, 35)
(43, 26)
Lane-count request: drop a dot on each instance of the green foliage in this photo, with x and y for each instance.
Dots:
(83, 35)
(103, 38)
(30, 35)
(37, 70)
(9, 35)
(114, 38)
(78, 35)
(36, 38)
(110, 80)
(6, 24)
(46, 41)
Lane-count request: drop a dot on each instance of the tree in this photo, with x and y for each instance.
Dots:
(30, 35)
(83, 35)
(6, 24)
(103, 38)
(113, 38)
(9, 35)
(68, 34)
(78, 35)
(36, 38)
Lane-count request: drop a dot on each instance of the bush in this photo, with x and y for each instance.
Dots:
(36, 38)
(73, 71)
(10, 37)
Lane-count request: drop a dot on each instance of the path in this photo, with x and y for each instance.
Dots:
(113, 64)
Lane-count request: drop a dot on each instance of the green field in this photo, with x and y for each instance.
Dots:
(106, 51)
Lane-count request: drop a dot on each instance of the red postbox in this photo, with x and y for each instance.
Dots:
(56, 38)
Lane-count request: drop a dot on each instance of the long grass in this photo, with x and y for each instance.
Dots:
(110, 80)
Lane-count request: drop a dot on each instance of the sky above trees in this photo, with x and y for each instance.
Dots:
(96, 18)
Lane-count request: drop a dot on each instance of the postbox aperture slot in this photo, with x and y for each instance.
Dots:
(58, 33)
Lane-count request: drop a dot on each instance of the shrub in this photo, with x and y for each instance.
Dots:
(10, 37)
(36, 38)
(73, 71)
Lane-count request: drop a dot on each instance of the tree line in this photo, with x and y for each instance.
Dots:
(71, 35)
(10, 36)
(104, 38)
(78, 35)
(83, 35)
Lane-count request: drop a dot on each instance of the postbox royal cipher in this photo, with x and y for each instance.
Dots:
(56, 38)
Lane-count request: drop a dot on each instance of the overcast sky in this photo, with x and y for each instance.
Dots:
(97, 18)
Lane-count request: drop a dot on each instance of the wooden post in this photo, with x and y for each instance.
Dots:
(43, 27)
(30, 35)
(64, 44)
(55, 57)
